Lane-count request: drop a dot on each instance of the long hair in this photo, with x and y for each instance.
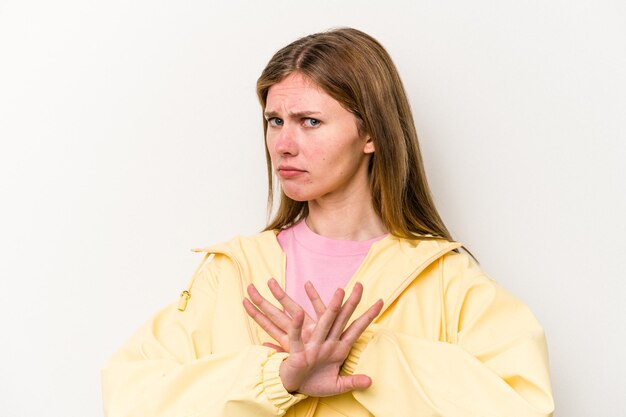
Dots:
(354, 69)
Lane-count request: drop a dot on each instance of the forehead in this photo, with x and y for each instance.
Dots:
(297, 91)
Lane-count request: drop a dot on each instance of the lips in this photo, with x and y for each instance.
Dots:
(286, 171)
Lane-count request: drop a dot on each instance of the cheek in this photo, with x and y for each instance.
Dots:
(322, 160)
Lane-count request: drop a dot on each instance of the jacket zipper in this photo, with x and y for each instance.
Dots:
(185, 295)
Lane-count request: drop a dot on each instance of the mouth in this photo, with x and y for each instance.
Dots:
(289, 172)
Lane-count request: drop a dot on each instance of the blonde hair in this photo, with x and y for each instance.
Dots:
(354, 69)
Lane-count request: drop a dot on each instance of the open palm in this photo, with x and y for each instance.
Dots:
(318, 349)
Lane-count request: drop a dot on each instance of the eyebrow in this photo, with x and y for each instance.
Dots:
(296, 115)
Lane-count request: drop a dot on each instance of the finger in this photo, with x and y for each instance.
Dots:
(328, 318)
(283, 298)
(359, 325)
(353, 382)
(266, 324)
(278, 317)
(275, 347)
(295, 333)
(316, 300)
(346, 312)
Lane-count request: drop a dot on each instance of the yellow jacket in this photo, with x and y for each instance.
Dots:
(450, 342)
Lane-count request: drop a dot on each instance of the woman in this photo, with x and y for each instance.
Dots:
(423, 332)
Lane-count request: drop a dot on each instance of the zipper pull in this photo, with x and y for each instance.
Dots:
(186, 295)
(184, 298)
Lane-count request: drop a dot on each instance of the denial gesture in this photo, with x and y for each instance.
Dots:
(317, 348)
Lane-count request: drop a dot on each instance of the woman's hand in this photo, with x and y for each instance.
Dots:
(316, 349)
(275, 321)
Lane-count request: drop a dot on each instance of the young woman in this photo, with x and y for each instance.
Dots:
(423, 331)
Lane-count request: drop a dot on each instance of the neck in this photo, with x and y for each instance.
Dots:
(350, 218)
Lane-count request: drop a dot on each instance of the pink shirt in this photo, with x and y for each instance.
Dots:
(327, 263)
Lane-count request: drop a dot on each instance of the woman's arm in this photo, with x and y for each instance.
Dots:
(495, 365)
(167, 368)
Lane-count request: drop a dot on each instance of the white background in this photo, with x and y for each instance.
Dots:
(130, 133)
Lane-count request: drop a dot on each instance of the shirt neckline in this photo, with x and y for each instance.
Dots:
(330, 247)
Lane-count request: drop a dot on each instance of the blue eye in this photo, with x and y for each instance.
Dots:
(275, 121)
(311, 122)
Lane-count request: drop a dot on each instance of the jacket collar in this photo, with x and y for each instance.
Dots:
(392, 265)
(388, 269)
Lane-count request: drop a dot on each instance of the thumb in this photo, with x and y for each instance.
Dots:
(354, 382)
(273, 346)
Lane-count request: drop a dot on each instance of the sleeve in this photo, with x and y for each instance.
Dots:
(167, 368)
(496, 364)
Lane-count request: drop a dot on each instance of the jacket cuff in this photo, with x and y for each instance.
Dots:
(273, 385)
(349, 366)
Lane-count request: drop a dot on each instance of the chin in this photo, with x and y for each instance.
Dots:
(298, 195)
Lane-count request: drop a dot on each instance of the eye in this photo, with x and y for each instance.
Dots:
(309, 122)
(275, 121)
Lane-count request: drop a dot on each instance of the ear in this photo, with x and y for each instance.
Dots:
(369, 145)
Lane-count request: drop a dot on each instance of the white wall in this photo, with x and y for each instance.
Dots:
(130, 133)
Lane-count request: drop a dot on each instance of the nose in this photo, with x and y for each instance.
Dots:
(284, 141)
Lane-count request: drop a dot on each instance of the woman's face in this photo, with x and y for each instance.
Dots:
(314, 143)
